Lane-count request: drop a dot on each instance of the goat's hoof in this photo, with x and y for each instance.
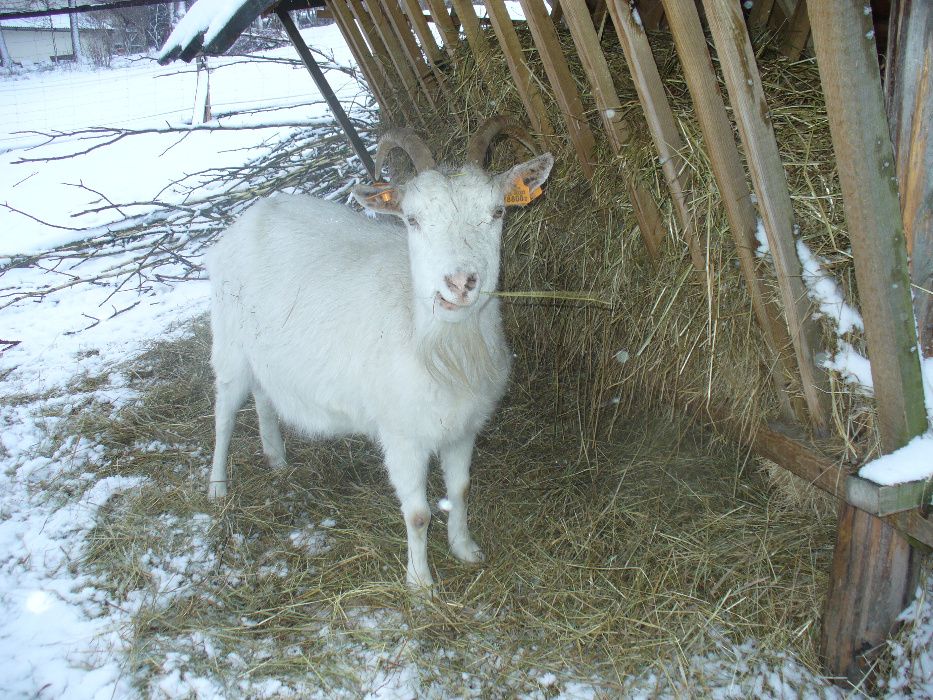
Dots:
(276, 462)
(420, 585)
(217, 490)
(467, 551)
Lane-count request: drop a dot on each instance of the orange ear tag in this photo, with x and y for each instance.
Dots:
(519, 195)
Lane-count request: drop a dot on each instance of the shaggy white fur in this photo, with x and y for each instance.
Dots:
(338, 323)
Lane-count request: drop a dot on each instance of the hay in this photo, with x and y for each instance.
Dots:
(623, 543)
(606, 557)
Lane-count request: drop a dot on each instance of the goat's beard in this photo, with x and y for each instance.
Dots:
(459, 355)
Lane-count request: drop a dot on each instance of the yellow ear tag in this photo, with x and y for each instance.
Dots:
(385, 196)
(520, 195)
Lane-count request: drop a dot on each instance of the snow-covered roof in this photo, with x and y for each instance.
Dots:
(211, 27)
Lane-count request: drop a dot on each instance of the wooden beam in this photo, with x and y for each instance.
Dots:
(726, 164)
(420, 25)
(661, 123)
(764, 162)
(909, 98)
(335, 107)
(648, 216)
(474, 34)
(361, 54)
(796, 32)
(449, 34)
(521, 75)
(879, 499)
(410, 50)
(577, 17)
(374, 22)
(871, 562)
(565, 90)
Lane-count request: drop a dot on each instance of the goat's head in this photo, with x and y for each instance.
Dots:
(454, 219)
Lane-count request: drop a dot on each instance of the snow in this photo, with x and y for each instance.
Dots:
(914, 461)
(204, 17)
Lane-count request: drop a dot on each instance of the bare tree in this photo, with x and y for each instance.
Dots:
(75, 39)
(5, 57)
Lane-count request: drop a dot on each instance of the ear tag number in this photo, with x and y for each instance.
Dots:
(520, 195)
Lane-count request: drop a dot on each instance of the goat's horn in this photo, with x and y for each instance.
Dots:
(408, 141)
(478, 148)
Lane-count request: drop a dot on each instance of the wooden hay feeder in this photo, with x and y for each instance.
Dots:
(880, 138)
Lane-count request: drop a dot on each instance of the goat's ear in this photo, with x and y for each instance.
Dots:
(381, 197)
(523, 183)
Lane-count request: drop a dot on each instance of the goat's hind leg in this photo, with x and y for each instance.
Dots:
(455, 461)
(232, 387)
(269, 431)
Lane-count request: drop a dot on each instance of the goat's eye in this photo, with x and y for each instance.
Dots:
(412, 221)
(498, 212)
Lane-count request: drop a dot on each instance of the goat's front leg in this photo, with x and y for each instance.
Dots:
(455, 461)
(407, 464)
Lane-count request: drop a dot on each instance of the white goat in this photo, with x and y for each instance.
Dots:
(338, 323)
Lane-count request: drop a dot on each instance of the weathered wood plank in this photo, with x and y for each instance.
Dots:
(871, 562)
(726, 163)
(521, 75)
(420, 25)
(909, 97)
(650, 222)
(565, 91)
(884, 500)
(796, 32)
(361, 54)
(474, 34)
(577, 17)
(743, 83)
(441, 18)
(410, 50)
(374, 21)
(661, 122)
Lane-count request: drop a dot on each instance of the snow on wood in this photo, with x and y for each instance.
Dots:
(211, 27)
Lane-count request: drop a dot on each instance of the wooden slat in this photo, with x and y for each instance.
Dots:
(878, 499)
(565, 91)
(374, 22)
(873, 571)
(764, 162)
(441, 18)
(425, 37)
(470, 23)
(651, 13)
(648, 216)
(410, 49)
(660, 120)
(361, 54)
(797, 32)
(726, 163)
(759, 14)
(597, 72)
(909, 97)
(521, 75)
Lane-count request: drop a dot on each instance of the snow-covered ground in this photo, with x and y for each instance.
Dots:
(59, 637)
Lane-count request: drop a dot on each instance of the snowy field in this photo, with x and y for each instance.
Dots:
(60, 634)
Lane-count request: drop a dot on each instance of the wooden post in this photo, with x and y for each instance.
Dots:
(649, 220)
(420, 25)
(409, 47)
(660, 120)
(374, 22)
(909, 97)
(764, 162)
(361, 54)
(521, 75)
(872, 574)
(318, 76)
(796, 32)
(684, 21)
(470, 23)
(449, 34)
(577, 17)
(565, 91)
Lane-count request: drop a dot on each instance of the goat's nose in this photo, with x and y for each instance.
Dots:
(462, 283)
